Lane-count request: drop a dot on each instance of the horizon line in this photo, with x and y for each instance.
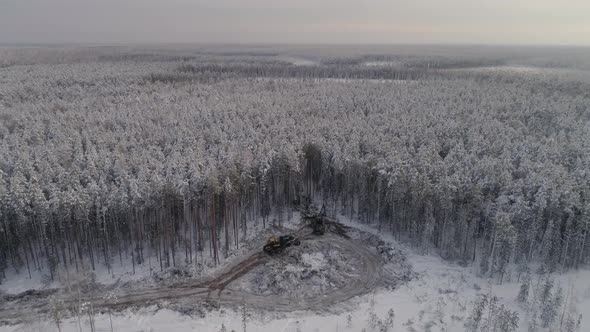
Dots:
(262, 44)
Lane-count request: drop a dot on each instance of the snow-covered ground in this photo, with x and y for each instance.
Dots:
(507, 68)
(382, 63)
(525, 70)
(298, 61)
(439, 298)
(122, 272)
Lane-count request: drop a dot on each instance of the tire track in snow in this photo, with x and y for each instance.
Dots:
(371, 276)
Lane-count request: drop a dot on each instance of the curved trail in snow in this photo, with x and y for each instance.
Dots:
(218, 289)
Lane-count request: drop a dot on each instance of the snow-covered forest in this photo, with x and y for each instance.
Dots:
(112, 155)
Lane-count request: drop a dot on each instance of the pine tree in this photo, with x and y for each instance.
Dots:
(523, 293)
(474, 320)
(245, 317)
(389, 320)
(551, 306)
(57, 310)
(507, 321)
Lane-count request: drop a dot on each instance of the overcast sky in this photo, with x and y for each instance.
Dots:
(565, 22)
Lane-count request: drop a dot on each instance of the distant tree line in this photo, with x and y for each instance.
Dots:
(282, 70)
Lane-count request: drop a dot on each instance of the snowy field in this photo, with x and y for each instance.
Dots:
(440, 297)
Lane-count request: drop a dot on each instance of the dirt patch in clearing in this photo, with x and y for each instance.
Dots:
(325, 270)
(314, 268)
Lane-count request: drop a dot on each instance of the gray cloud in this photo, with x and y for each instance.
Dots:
(301, 21)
